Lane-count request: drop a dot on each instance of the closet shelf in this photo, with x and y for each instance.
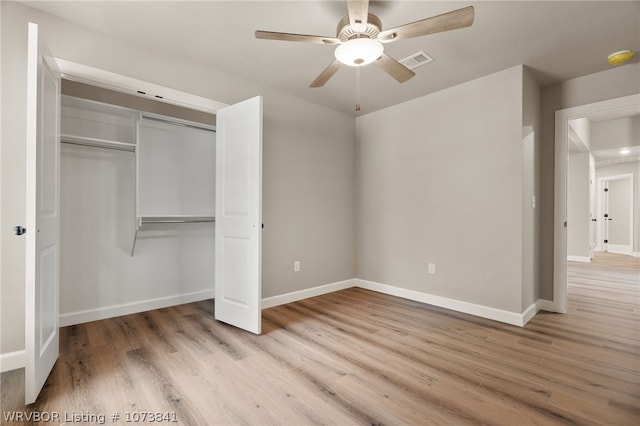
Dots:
(147, 220)
(176, 219)
(95, 142)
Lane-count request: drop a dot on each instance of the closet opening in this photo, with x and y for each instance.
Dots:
(137, 202)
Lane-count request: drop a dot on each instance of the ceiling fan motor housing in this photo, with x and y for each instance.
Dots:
(371, 29)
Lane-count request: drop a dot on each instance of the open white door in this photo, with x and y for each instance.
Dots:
(238, 259)
(43, 216)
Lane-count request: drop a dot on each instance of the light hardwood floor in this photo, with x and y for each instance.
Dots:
(359, 357)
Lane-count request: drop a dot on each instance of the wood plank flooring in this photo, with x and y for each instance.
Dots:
(359, 357)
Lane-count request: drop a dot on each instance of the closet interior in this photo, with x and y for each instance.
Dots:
(137, 204)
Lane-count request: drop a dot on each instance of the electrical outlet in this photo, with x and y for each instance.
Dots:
(296, 266)
(432, 268)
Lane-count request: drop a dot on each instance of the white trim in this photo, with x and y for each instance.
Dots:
(89, 315)
(562, 118)
(444, 302)
(482, 311)
(270, 302)
(529, 313)
(584, 259)
(108, 80)
(620, 249)
(545, 305)
(12, 360)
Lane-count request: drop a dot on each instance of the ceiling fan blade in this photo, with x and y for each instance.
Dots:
(326, 74)
(460, 18)
(358, 11)
(395, 69)
(305, 38)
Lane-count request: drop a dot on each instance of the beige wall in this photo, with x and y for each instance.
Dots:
(614, 83)
(578, 205)
(440, 180)
(308, 176)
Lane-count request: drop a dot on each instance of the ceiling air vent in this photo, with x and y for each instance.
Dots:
(415, 60)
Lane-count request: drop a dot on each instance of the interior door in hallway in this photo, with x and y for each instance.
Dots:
(618, 213)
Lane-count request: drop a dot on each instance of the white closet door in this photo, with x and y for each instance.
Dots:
(42, 282)
(238, 287)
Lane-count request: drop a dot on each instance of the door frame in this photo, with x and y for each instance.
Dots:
(101, 78)
(562, 118)
(97, 77)
(132, 86)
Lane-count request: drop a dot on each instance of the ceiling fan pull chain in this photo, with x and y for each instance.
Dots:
(357, 88)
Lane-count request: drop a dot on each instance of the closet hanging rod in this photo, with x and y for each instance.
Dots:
(177, 219)
(190, 124)
(97, 143)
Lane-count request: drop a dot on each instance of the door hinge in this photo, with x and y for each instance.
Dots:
(606, 190)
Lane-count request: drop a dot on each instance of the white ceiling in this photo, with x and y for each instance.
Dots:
(558, 40)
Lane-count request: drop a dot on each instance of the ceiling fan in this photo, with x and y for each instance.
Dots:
(360, 39)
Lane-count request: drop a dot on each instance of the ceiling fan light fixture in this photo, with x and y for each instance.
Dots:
(359, 51)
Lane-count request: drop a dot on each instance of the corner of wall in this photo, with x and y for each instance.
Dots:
(531, 187)
(534, 308)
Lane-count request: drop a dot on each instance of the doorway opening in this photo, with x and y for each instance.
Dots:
(241, 152)
(137, 203)
(593, 123)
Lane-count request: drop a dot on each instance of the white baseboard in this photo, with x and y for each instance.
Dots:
(585, 259)
(79, 317)
(270, 302)
(539, 305)
(12, 361)
(444, 302)
(633, 253)
(507, 317)
(529, 313)
(546, 305)
(620, 249)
